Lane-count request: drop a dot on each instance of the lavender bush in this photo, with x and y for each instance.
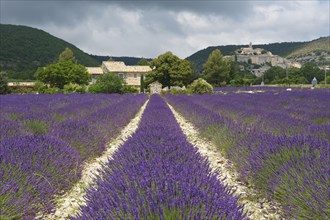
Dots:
(81, 135)
(157, 174)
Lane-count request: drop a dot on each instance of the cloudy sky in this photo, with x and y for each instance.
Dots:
(150, 28)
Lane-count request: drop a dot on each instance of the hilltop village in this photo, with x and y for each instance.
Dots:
(261, 59)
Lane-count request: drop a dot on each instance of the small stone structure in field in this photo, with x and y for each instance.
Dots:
(155, 87)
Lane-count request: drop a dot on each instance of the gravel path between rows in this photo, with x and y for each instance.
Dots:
(68, 204)
(258, 208)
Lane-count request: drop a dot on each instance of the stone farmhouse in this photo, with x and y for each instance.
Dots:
(131, 74)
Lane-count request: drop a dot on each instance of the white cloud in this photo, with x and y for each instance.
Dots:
(291, 21)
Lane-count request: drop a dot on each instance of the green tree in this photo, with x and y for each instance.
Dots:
(200, 86)
(295, 76)
(170, 70)
(217, 69)
(67, 55)
(107, 83)
(142, 83)
(4, 89)
(62, 73)
(310, 70)
(240, 76)
(143, 62)
(274, 74)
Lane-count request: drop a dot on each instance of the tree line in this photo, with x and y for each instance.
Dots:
(66, 75)
(219, 71)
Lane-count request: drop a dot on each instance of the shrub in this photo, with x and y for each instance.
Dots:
(74, 88)
(3, 83)
(40, 87)
(200, 86)
(107, 83)
(129, 89)
(21, 90)
(10, 128)
(52, 90)
(81, 135)
(175, 91)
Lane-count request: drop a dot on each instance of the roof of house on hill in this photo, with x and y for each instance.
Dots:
(119, 66)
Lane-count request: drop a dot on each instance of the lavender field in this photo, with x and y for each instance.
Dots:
(278, 141)
(157, 174)
(45, 139)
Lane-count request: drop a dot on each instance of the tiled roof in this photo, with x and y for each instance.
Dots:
(94, 70)
(118, 66)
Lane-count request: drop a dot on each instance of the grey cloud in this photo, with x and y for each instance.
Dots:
(229, 8)
(148, 28)
(45, 12)
(71, 12)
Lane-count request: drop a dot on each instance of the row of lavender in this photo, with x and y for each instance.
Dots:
(157, 174)
(45, 139)
(254, 89)
(301, 111)
(279, 143)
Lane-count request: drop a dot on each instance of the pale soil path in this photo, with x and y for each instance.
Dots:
(258, 208)
(68, 204)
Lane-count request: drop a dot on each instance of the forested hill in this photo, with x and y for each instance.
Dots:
(23, 49)
(281, 49)
(126, 60)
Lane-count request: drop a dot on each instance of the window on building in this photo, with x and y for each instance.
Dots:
(135, 75)
(121, 75)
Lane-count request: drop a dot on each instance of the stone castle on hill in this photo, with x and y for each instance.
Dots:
(262, 57)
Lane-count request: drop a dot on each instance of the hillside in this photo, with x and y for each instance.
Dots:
(316, 51)
(282, 49)
(322, 44)
(23, 49)
(126, 60)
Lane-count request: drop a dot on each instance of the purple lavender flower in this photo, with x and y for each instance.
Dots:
(33, 169)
